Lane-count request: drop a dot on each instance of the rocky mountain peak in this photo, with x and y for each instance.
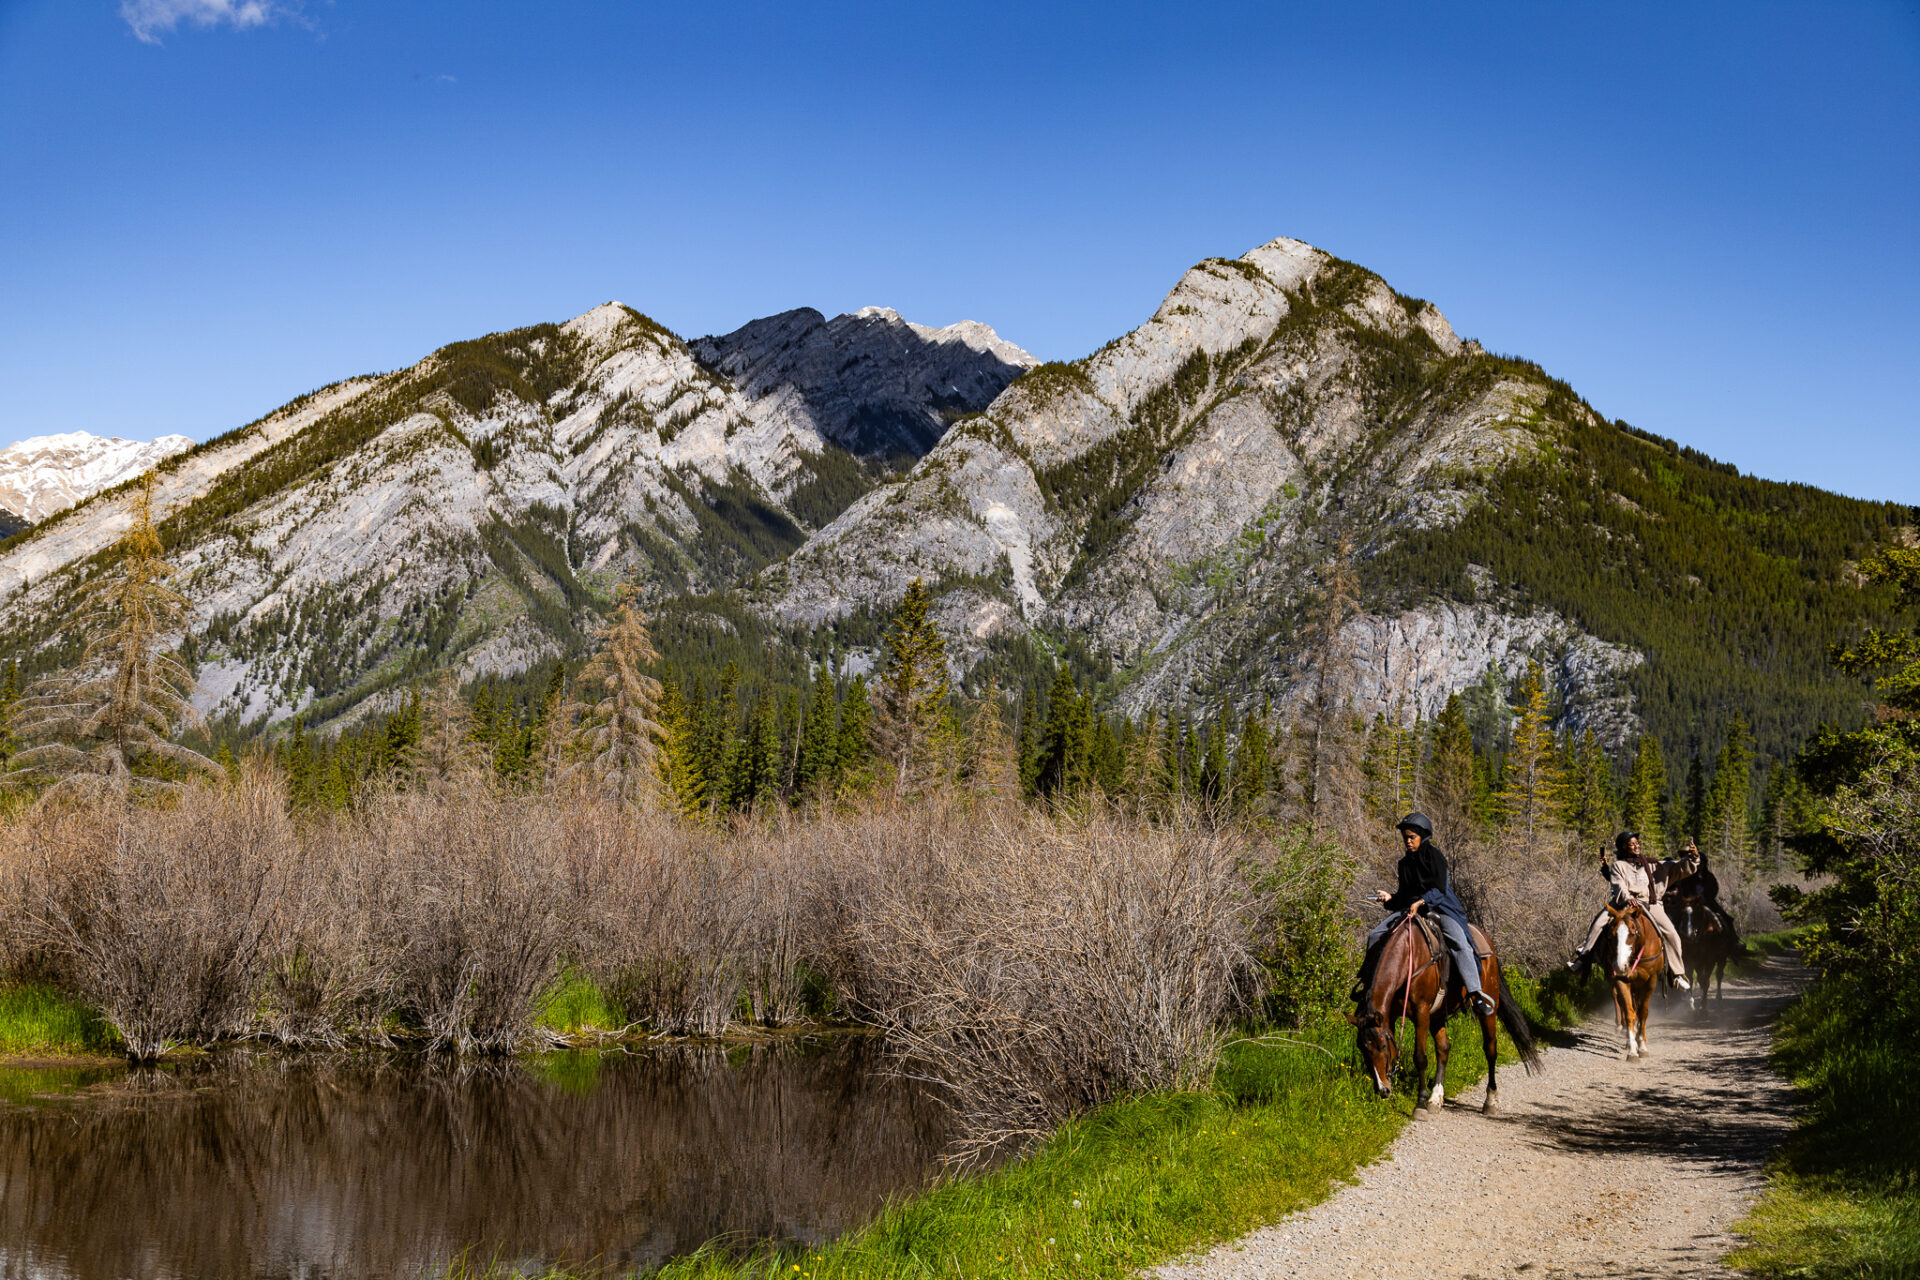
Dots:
(871, 381)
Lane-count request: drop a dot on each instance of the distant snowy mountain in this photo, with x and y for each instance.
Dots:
(47, 474)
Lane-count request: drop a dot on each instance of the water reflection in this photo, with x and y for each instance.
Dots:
(263, 1167)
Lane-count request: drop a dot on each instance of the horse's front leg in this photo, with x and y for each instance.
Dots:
(1490, 1044)
(1442, 1042)
(1422, 1028)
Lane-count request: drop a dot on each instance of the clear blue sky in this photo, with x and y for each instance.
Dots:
(1703, 217)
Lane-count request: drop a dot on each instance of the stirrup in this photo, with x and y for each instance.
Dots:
(1483, 1003)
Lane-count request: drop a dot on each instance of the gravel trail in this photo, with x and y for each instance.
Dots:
(1595, 1167)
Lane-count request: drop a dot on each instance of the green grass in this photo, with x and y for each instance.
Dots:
(1844, 1196)
(1132, 1184)
(578, 1004)
(37, 1019)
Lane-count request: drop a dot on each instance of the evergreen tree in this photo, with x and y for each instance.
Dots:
(1647, 797)
(1727, 829)
(1531, 790)
(106, 724)
(9, 699)
(814, 768)
(1450, 775)
(445, 756)
(1786, 810)
(853, 762)
(1032, 757)
(1145, 781)
(1252, 763)
(1695, 815)
(989, 763)
(911, 711)
(1066, 750)
(1590, 801)
(1215, 771)
(681, 780)
(618, 733)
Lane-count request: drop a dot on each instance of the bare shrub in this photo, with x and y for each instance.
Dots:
(484, 910)
(1043, 968)
(1534, 897)
(167, 918)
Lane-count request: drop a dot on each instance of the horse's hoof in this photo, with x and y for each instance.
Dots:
(1420, 1112)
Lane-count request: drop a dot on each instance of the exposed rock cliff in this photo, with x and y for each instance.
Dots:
(44, 475)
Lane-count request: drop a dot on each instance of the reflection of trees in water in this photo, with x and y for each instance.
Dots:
(354, 1167)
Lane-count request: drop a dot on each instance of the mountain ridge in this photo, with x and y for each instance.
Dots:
(1165, 508)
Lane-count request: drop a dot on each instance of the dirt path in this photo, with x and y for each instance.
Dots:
(1595, 1167)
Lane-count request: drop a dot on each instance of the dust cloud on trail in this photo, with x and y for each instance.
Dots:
(1595, 1167)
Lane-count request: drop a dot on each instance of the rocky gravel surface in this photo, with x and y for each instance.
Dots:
(1595, 1167)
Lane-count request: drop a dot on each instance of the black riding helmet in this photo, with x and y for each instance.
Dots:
(1416, 822)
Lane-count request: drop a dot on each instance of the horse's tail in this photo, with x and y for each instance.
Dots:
(1518, 1031)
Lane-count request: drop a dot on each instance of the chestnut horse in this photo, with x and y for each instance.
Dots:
(1631, 955)
(1411, 981)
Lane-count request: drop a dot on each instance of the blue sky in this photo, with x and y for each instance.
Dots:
(1703, 217)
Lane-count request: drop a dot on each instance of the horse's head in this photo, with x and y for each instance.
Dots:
(1624, 925)
(1378, 1046)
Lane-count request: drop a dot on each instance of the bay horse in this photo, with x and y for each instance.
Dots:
(1413, 979)
(1705, 939)
(1631, 955)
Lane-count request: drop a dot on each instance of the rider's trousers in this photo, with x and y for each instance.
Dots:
(1669, 936)
(1458, 945)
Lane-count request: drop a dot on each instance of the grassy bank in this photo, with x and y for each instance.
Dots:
(1844, 1196)
(40, 1021)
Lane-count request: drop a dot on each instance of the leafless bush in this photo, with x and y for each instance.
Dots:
(1534, 897)
(167, 917)
(485, 909)
(1044, 968)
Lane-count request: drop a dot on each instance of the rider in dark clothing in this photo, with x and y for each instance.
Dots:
(1426, 884)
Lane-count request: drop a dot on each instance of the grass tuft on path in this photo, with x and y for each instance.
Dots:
(1844, 1196)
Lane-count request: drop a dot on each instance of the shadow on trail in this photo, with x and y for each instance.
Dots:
(1700, 1095)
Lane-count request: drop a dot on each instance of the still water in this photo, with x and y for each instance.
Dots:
(264, 1166)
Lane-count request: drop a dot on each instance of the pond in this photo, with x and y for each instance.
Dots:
(250, 1165)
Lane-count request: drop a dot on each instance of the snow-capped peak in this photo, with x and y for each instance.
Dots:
(43, 475)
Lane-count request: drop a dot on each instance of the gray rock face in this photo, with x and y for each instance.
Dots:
(871, 382)
(469, 511)
(1171, 498)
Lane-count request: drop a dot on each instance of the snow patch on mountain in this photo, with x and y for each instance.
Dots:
(44, 475)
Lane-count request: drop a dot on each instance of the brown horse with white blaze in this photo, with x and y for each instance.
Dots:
(1633, 958)
(1411, 980)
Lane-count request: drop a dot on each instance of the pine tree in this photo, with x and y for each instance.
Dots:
(1450, 775)
(619, 731)
(1252, 763)
(1726, 830)
(814, 768)
(1530, 800)
(681, 781)
(1145, 777)
(1647, 797)
(445, 756)
(1340, 596)
(989, 763)
(853, 763)
(912, 694)
(1695, 815)
(1032, 758)
(1590, 801)
(105, 725)
(9, 699)
(1066, 748)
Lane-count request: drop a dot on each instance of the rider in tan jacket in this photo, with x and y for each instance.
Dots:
(1637, 878)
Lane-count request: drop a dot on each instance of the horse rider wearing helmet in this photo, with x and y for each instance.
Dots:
(1426, 885)
(1640, 879)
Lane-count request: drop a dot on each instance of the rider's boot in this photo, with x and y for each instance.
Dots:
(1680, 980)
(1482, 1003)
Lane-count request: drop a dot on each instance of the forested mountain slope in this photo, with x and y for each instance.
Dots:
(475, 509)
(1175, 501)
